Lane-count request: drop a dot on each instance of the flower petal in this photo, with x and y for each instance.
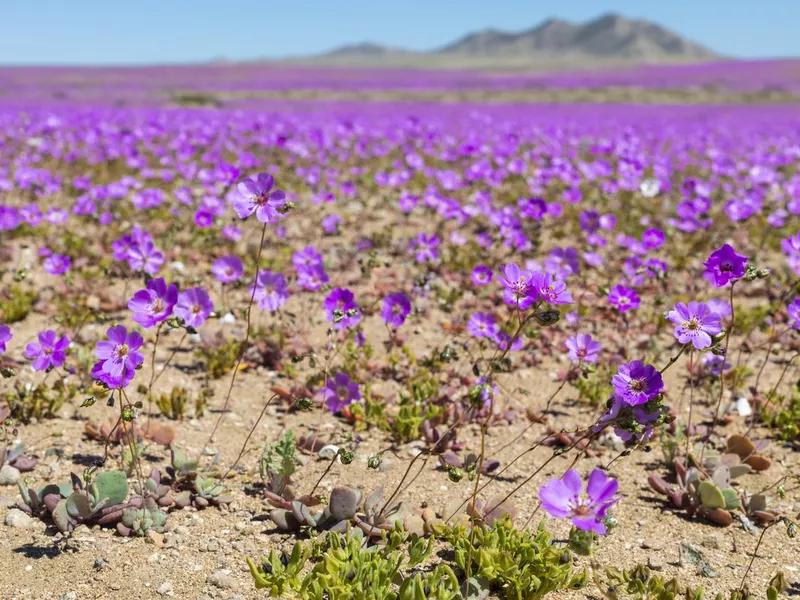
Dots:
(600, 487)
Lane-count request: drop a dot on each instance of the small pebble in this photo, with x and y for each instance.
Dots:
(655, 563)
(69, 596)
(9, 475)
(165, 589)
(18, 519)
(328, 452)
(652, 544)
(100, 564)
(221, 579)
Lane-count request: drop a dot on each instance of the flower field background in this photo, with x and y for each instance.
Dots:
(403, 334)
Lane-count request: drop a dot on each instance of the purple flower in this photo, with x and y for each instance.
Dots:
(653, 238)
(330, 224)
(623, 299)
(231, 232)
(257, 196)
(396, 308)
(582, 348)
(791, 245)
(545, 288)
(504, 341)
(425, 248)
(695, 323)
(721, 307)
(723, 265)
(340, 392)
(517, 283)
(312, 278)
(119, 358)
(153, 305)
(563, 262)
(627, 419)
(715, 364)
(271, 291)
(57, 264)
(589, 221)
(481, 275)
(482, 325)
(636, 383)
(794, 313)
(227, 269)
(193, 307)
(562, 499)
(5, 336)
(49, 352)
(203, 218)
(144, 256)
(342, 301)
(307, 258)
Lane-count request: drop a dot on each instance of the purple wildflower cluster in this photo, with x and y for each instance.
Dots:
(139, 251)
(523, 288)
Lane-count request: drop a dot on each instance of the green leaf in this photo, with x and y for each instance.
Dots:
(732, 499)
(710, 495)
(112, 485)
(772, 593)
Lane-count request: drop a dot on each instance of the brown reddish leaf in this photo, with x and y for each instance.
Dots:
(453, 327)
(162, 434)
(738, 444)
(758, 462)
(720, 516)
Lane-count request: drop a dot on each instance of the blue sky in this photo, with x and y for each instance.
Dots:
(174, 31)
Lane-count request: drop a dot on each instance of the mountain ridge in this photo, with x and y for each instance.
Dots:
(610, 37)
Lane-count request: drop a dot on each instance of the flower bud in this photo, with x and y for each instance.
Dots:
(287, 206)
(128, 414)
(303, 403)
(791, 530)
(454, 473)
(346, 456)
(547, 317)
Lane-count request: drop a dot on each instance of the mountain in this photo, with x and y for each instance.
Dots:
(365, 49)
(610, 38)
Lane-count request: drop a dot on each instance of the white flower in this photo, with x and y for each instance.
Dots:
(650, 188)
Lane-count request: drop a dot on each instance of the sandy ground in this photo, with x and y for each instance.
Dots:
(204, 554)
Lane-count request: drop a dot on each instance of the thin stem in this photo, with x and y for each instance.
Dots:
(534, 474)
(132, 445)
(674, 359)
(722, 374)
(246, 337)
(249, 435)
(324, 473)
(771, 395)
(691, 402)
(773, 339)
(152, 376)
(755, 552)
(169, 358)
